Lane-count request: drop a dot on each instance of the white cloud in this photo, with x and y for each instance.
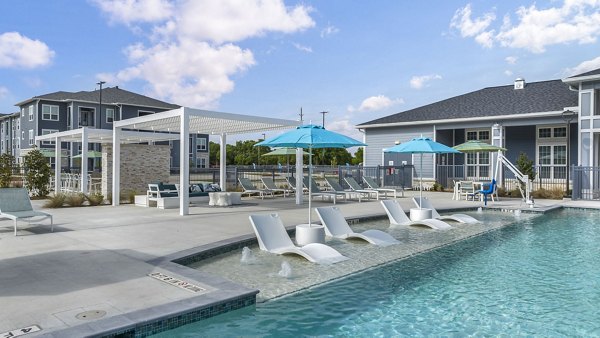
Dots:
(583, 67)
(374, 103)
(191, 55)
(17, 51)
(303, 48)
(344, 126)
(575, 21)
(508, 72)
(511, 60)
(3, 92)
(33, 82)
(131, 11)
(329, 30)
(418, 82)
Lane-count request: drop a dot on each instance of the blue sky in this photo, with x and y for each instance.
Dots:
(358, 60)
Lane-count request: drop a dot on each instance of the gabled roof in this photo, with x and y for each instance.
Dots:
(592, 75)
(536, 97)
(110, 95)
(591, 72)
(4, 116)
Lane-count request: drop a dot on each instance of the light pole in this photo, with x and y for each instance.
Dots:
(100, 83)
(323, 113)
(264, 137)
(567, 116)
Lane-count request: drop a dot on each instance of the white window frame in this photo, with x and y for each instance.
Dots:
(31, 113)
(550, 170)
(112, 115)
(93, 119)
(31, 137)
(51, 115)
(478, 168)
(46, 132)
(200, 144)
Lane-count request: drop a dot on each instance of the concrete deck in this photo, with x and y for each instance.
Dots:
(98, 259)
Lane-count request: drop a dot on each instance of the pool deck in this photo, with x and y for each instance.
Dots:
(97, 260)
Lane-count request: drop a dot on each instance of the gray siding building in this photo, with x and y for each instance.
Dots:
(60, 111)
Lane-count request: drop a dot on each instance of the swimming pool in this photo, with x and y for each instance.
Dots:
(539, 276)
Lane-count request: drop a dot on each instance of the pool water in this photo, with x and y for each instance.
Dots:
(539, 276)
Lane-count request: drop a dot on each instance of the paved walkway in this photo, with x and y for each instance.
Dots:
(97, 260)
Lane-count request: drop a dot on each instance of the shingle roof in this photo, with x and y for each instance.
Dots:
(536, 97)
(110, 95)
(591, 72)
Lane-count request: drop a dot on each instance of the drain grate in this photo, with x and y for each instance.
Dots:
(94, 314)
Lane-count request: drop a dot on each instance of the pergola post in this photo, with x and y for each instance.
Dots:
(184, 163)
(116, 169)
(84, 164)
(299, 175)
(223, 162)
(57, 165)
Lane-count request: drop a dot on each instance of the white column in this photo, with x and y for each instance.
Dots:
(299, 172)
(57, 165)
(497, 137)
(223, 162)
(84, 159)
(184, 163)
(116, 169)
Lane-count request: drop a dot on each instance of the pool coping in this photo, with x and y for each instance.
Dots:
(227, 296)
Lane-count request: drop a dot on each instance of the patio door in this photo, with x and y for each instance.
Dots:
(552, 152)
(478, 164)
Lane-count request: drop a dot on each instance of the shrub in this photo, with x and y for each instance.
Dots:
(109, 198)
(438, 187)
(37, 173)
(56, 201)
(95, 199)
(554, 194)
(75, 199)
(7, 162)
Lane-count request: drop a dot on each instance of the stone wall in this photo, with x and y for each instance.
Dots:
(140, 164)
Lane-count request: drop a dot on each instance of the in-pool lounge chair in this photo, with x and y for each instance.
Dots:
(336, 226)
(315, 191)
(374, 186)
(250, 189)
(356, 187)
(273, 237)
(461, 218)
(397, 216)
(270, 185)
(16, 205)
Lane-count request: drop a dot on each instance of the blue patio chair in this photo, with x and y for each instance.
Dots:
(491, 189)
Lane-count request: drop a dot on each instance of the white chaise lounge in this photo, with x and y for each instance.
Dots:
(273, 237)
(16, 205)
(461, 218)
(336, 226)
(397, 217)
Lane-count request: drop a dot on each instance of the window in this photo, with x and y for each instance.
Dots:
(69, 124)
(46, 132)
(144, 112)
(552, 152)
(559, 132)
(49, 112)
(22, 112)
(201, 163)
(478, 164)
(23, 135)
(31, 142)
(201, 146)
(31, 113)
(18, 125)
(86, 117)
(110, 115)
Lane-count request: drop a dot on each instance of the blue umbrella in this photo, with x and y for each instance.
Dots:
(421, 145)
(311, 136)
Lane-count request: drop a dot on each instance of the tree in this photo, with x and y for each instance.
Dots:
(7, 162)
(214, 153)
(358, 156)
(37, 173)
(525, 166)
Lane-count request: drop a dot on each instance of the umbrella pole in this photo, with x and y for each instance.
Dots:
(309, 186)
(421, 184)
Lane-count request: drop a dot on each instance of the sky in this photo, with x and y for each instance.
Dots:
(357, 60)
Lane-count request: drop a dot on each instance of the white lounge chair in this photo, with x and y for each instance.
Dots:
(397, 216)
(273, 237)
(16, 205)
(461, 218)
(250, 189)
(336, 226)
(270, 185)
(315, 191)
(335, 186)
(356, 187)
(374, 186)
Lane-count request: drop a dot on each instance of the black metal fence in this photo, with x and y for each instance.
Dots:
(392, 176)
(586, 183)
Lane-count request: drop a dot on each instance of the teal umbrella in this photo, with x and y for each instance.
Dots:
(421, 145)
(311, 136)
(283, 152)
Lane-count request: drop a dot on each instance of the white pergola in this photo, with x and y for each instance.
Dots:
(90, 135)
(183, 121)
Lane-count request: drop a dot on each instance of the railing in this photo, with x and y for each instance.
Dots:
(586, 183)
(393, 176)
